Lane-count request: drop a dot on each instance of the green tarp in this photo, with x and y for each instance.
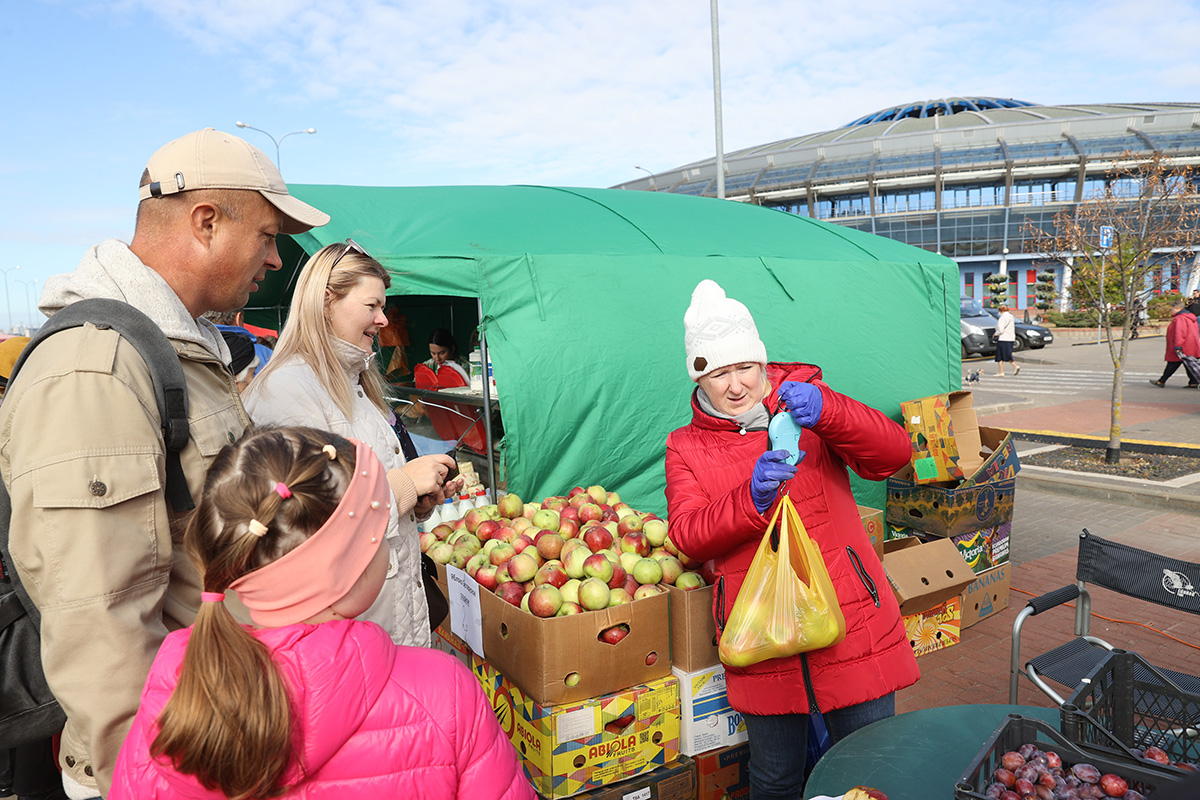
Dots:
(583, 293)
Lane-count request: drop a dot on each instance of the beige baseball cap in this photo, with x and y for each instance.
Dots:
(212, 159)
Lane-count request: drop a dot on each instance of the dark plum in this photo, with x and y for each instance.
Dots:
(1004, 776)
(1009, 794)
(1023, 787)
(1134, 795)
(1086, 772)
(1012, 760)
(1156, 754)
(994, 791)
(1027, 750)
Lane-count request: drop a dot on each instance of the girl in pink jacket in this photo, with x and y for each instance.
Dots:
(308, 702)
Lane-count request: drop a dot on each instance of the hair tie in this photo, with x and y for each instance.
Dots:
(283, 491)
(212, 597)
(257, 528)
(330, 451)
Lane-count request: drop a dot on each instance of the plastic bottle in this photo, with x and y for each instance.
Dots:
(463, 505)
(434, 520)
(481, 498)
(475, 373)
(447, 513)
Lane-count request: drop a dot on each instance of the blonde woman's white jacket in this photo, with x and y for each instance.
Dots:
(292, 395)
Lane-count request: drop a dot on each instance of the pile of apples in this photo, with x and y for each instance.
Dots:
(584, 551)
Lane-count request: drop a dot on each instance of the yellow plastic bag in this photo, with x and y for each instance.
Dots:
(787, 604)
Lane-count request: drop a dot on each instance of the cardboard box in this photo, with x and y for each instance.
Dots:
(539, 654)
(936, 628)
(579, 746)
(981, 501)
(707, 721)
(942, 429)
(873, 524)
(986, 596)
(723, 774)
(984, 549)
(693, 632)
(924, 574)
(675, 781)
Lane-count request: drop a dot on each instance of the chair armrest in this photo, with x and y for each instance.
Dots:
(1053, 599)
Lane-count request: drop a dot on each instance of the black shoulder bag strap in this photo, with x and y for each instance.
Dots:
(166, 373)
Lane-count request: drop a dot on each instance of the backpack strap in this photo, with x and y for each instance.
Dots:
(166, 373)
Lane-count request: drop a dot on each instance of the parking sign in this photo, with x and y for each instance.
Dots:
(1106, 235)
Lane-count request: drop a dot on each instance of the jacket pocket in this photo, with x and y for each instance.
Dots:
(96, 480)
(867, 581)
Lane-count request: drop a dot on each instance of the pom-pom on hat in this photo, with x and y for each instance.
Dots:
(718, 331)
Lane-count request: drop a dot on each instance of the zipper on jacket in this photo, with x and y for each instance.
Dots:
(862, 574)
(720, 605)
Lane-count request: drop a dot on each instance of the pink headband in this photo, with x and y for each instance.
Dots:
(323, 569)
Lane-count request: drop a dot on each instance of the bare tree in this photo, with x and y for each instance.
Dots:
(1152, 208)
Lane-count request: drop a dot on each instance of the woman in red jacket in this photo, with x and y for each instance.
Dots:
(722, 480)
(1183, 337)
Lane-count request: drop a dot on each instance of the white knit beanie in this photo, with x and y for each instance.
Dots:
(718, 331)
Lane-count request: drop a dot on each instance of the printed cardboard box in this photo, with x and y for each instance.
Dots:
(988, 595)
(693, 632)
(946, 509)
(936, 628)
(543, 656)
(874, 525)
(982, 549)
(579, 746)
(707, 721)
(724, 773)
(924, 574)
(942, 429)
(675, 781)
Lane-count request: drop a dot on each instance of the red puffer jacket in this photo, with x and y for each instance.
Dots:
(711, 515)
(1183, 333)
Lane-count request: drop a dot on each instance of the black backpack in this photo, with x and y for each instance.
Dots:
(28, 711)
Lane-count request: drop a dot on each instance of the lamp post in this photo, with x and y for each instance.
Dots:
(648, 172)
(716, 48)
(241, 124)
(7, 305)
(28, 304)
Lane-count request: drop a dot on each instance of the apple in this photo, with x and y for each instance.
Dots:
(611, 527)
(656, 532)
(546, 519)
(441, 553)
(608, 515)
(572, 679)
(521, 524)
(647, 571)
(545, 601)
(576, 490)
(618, 597)
(487, 529)
(442, 530)
(597, 566)
(629, 560)
(614, 634)
(502, 575)
(568, 529)
(708, 571)
(576, 500)
(570, 590)
(567, 609)
(571, 513)
(531, 509)
(593, 594)
(474, 518)
(427, 541)
(506, 534)
(525, 603)
(554, 504)
(501, 553)
(475, 562)
(551, 573)
(690, 580)
(589, 512)
(597, 538)
(510, 506)
(671, 569)
(522, 541)
(613, 499)
(651, 660)
(459, 558)
(548, 544)
(598, 494)
(647, 590)
(569, 545)
(635, 542)
(574, 560)
(522, 567)
(618, 577)
(485, 576)
(631, 585)
(467, 542)
(630, 523)
(458, 523)
(511, 592)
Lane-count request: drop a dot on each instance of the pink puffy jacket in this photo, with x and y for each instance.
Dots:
(375, 720)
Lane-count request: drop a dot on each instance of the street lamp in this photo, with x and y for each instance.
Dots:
(28, 303)
(6, 303)
(241, 124)
(648, 172)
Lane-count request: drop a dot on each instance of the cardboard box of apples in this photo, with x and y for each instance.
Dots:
(576, 602)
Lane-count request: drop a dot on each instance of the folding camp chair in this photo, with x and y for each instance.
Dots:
(1135, 573)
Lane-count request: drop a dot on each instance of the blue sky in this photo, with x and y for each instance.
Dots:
(477, 92)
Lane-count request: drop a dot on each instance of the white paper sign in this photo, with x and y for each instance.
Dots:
(466, 622)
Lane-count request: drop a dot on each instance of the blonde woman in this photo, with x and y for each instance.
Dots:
(323, 375)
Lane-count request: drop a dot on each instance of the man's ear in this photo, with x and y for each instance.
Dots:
(204, 220)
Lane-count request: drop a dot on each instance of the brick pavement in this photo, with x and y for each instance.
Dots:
(1043, 554)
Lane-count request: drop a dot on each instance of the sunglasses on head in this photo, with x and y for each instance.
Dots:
(350, 245)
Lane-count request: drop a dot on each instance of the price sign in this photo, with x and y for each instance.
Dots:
(466, 622)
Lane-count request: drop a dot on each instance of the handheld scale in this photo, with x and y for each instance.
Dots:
(784, 433)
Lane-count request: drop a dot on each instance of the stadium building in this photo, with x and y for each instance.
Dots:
(958, 176)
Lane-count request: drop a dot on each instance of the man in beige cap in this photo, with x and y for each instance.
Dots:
(93, 537)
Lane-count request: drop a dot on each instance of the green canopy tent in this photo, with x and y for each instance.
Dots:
(583, 293)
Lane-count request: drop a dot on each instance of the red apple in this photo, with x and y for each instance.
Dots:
(635, 542)
(571, 513)
(630, 523)
(613, 499)
(487, 529)
(651, 659)
(545, 600)
(522, 541)
(576, 500)
(671, 569)
(630, 586)
(551, 573)
(708, 571)
(568, 529)
(598, 538)
(510, 506)
(614, 634)
(589, 512)
(441, 552)
(511, 592)
(522, 567)
(549, 545)
(485, 576)
(442, 530)
(427, 541)
(647, 590)
(575, 491)
(474, 518)
(555, 503)
(530, 510)
(618, 576)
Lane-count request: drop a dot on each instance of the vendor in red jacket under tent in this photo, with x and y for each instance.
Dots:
(722, 478)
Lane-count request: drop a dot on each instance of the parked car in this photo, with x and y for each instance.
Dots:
(977, 329)
(1033, 336)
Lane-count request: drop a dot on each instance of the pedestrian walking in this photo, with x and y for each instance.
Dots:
(1006, 336)
(1183, 339)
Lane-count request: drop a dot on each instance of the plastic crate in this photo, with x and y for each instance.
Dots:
(1016, 731)
(1128, 700)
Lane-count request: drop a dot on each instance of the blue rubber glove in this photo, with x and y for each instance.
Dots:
(804, 402)
(769, 472)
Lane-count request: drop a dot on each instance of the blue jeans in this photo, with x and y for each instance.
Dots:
(779, 744)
